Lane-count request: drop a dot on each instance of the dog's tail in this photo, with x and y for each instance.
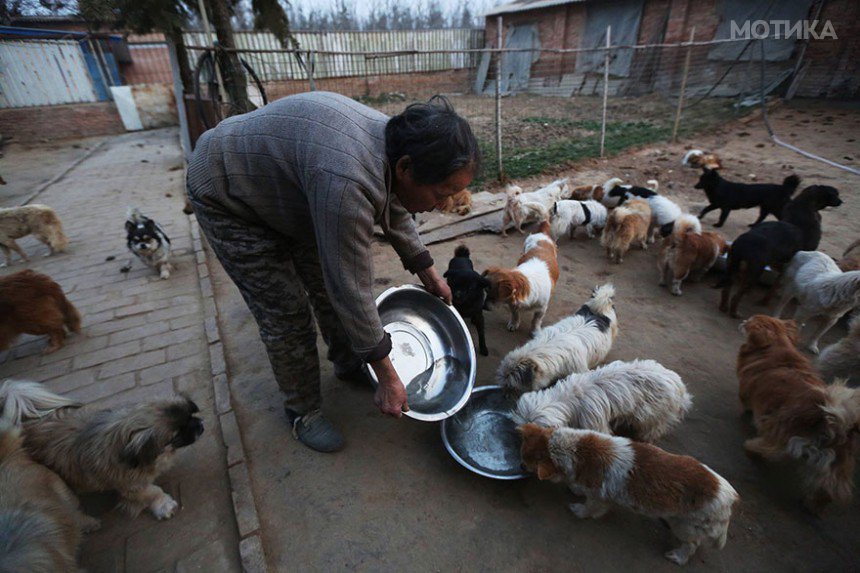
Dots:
(21, 400)
(612, 184)
(690, 155)
(71, 316)
(601, 298)
(790, 184)
(462, 251)
(687, 223)
(652, 184)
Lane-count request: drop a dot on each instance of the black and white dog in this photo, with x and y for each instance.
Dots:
(147, 241)
(469, 291)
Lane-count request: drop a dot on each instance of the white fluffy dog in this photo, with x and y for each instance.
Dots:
(842, 359)
(573, 344)
(641, 399)
(522, 207)
(567, 215)
(821, 289)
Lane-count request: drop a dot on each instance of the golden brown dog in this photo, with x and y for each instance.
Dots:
(38, 220)
(626, 225)
(688, 253)
(586, 192)
(32, 303)
(694, 501)
(458, 203)
(798, 416)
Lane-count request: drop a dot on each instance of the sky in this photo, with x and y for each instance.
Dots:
(363, 6)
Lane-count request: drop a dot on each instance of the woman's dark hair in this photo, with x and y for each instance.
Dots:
(436, 139)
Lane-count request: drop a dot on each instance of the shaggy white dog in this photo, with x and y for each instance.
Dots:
(641, 398)
(567, 215)
(522, 207)
(842, 360)
(573, 344)
(821, 290)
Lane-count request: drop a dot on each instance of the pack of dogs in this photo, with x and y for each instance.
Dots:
(584, 423)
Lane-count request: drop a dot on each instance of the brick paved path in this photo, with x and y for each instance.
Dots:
(143, 339)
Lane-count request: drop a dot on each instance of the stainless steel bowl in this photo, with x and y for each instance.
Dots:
(483, 436)
(431, 350)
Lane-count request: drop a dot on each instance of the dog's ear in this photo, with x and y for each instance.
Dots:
(445, 274)
(141, 449)
(791, 331)
(129, 226)
(484, 282)
(546, 470)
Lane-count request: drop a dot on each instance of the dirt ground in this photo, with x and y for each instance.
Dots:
(394, 499)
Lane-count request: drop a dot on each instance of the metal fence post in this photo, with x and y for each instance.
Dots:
(499, 165)
(605, 89)
(179, 95)
(683, 87)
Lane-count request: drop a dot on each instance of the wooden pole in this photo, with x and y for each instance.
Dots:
(499, 165)
(683, 86)
(179, 94)
(309, 68)
(605, 88)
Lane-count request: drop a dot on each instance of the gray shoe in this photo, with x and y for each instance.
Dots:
(314, 431)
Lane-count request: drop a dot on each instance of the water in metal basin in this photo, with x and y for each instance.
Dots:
(439, 386)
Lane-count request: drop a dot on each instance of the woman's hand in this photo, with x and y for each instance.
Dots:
(390, 395)
(435, 284)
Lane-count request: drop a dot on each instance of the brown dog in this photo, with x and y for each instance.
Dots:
(458, 203)
(798, 416)
(626, 225)
(688, 252)
(32, 303)
(38, 220)
(586, 192)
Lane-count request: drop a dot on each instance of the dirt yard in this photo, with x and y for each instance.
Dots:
(394, 499)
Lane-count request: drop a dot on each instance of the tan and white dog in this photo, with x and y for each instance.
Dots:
(641, 399)
(522, 207)
(587, 193)
(38, 220)
(821, 290)
(688, 253)
(690, 497)
(698, 159)
(626, 225)
(573, 344)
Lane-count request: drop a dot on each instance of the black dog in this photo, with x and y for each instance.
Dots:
(775, 243)
(469, 290)
(728, 195)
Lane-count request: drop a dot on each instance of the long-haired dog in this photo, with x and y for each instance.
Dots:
(842, 359)
(616, 192)
(147, 241)
(32, 303)
(641, 399)
(522, 207)
(122, 450)
(688, 252)
(469, 292)
(850, 260)
(796, 415)
(567, 215)
(728, 196)
(458, 203)
(821, 290)
(38, 220)
(698, 159)
(573, 344)
(529, 286)
(610, 471)
(774, 243)
(40, 523)
(626, 225)
(664, 211)
(587, 192)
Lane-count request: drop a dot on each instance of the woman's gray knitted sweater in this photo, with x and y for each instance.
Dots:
(313, 167)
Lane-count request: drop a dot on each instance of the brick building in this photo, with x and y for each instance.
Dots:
(828, 68)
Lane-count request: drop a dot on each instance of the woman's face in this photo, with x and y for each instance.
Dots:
(421, 197)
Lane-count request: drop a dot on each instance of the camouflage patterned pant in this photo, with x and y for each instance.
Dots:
(280, 285)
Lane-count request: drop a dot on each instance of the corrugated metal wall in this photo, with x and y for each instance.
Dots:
(283, 66)
(49, 72)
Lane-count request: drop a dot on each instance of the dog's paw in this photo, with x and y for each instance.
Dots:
(164, 275)
(675, 291)
(813, 348)
(678, 556)
(580, 510)
(512, 326)
(484, 352)
(125, 269)
(89, 524)
(164, 507)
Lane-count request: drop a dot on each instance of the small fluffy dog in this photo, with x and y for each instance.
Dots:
(698, 159)
(850, 260)
(615, 192)
(842, 360)
(640, 399)
(32, 303)
(587, 192)
(122, 450)
(664, 211)
(567, 215)
(573, 344)
(821, 290)
(40, 523)
(797, 416)
(529, 286)
(469, 291)
(458, 203)
(692, 499)
(626, 225)
(522, 207)
(728, 196)
(688, 252)
(147, 241)
(38, 220)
